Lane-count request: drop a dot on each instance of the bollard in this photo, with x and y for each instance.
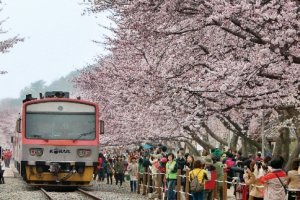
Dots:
(138, 181)
(159, 184)
(148, 181)
(144, 181)
(178, 187)
(187, 184)
(225, 186)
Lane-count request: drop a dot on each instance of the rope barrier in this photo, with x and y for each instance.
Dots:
(185, 176)
(258, 186)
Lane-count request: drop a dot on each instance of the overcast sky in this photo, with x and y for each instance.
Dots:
(57, 41)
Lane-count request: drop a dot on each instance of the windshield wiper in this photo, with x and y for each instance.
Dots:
(38, 136)
(83, 134)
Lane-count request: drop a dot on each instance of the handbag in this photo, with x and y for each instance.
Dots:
(128, 177)
(285, 190)
(112, 169)
(239, 188)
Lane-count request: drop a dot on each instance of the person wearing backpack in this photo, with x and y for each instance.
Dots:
(171, 175)
(196, 178)
(229, 163)
(210, 184)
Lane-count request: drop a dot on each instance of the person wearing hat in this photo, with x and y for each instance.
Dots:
(211, 183)
(219, 176)
(274, 180)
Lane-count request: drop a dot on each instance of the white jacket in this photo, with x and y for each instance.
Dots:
(2, 165)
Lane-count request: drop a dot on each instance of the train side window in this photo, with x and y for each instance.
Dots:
(18, 125)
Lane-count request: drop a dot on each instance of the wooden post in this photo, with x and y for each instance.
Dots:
(225, 186)
(178, 188)
(138, 181)
(148, 181)
(250, 188)
(215, 191)
(159, 184)
(187, 184)
(144, 181)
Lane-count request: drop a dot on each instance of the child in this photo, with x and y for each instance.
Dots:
(133, 171)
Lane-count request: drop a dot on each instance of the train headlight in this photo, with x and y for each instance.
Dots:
(84, 152)
(36, 151)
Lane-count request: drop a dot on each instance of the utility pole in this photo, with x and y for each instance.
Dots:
(263, 135)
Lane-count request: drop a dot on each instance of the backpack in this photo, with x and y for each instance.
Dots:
(104, 163)
(230, 163)
(211, 182)
(195, 186)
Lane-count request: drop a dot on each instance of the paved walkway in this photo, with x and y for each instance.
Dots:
(9, 172)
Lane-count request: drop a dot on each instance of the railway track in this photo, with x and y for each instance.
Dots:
(50, 195)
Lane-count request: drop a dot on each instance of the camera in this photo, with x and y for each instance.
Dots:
(245, 167)
(259, 164)
(239, 163)
(237, 169)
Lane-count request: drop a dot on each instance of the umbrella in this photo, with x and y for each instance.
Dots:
(147, 146)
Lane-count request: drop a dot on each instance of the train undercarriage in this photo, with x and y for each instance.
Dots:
(56, 174)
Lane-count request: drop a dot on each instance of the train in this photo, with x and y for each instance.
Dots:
(56, 140)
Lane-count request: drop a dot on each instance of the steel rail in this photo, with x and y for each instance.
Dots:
(45, 192)
(88, 194)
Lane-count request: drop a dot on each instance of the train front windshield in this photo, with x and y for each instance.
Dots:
(60, 125)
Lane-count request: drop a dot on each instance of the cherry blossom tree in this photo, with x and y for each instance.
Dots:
(180, 63)
(8, 43)
(8, 117)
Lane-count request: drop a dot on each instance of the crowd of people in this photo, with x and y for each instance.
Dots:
(4, 163)
(255, 176)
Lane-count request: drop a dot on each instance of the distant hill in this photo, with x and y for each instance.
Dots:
(10, 108)
(62, 84)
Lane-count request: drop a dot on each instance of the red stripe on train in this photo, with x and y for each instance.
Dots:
(61, 142)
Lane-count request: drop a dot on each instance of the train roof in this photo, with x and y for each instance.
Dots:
(53, 94)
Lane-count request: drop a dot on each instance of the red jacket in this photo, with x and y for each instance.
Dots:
(100, 163)
(8, 155)
(272, 175)
(211, 184)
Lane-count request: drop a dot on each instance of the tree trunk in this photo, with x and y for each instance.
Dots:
(247, 149)
(213, 135)
(233, 142)
(294, 154)
(296, 151)
(244, 148)
(205, 144)
(193, 149)
(285, 144)
(278, 145)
